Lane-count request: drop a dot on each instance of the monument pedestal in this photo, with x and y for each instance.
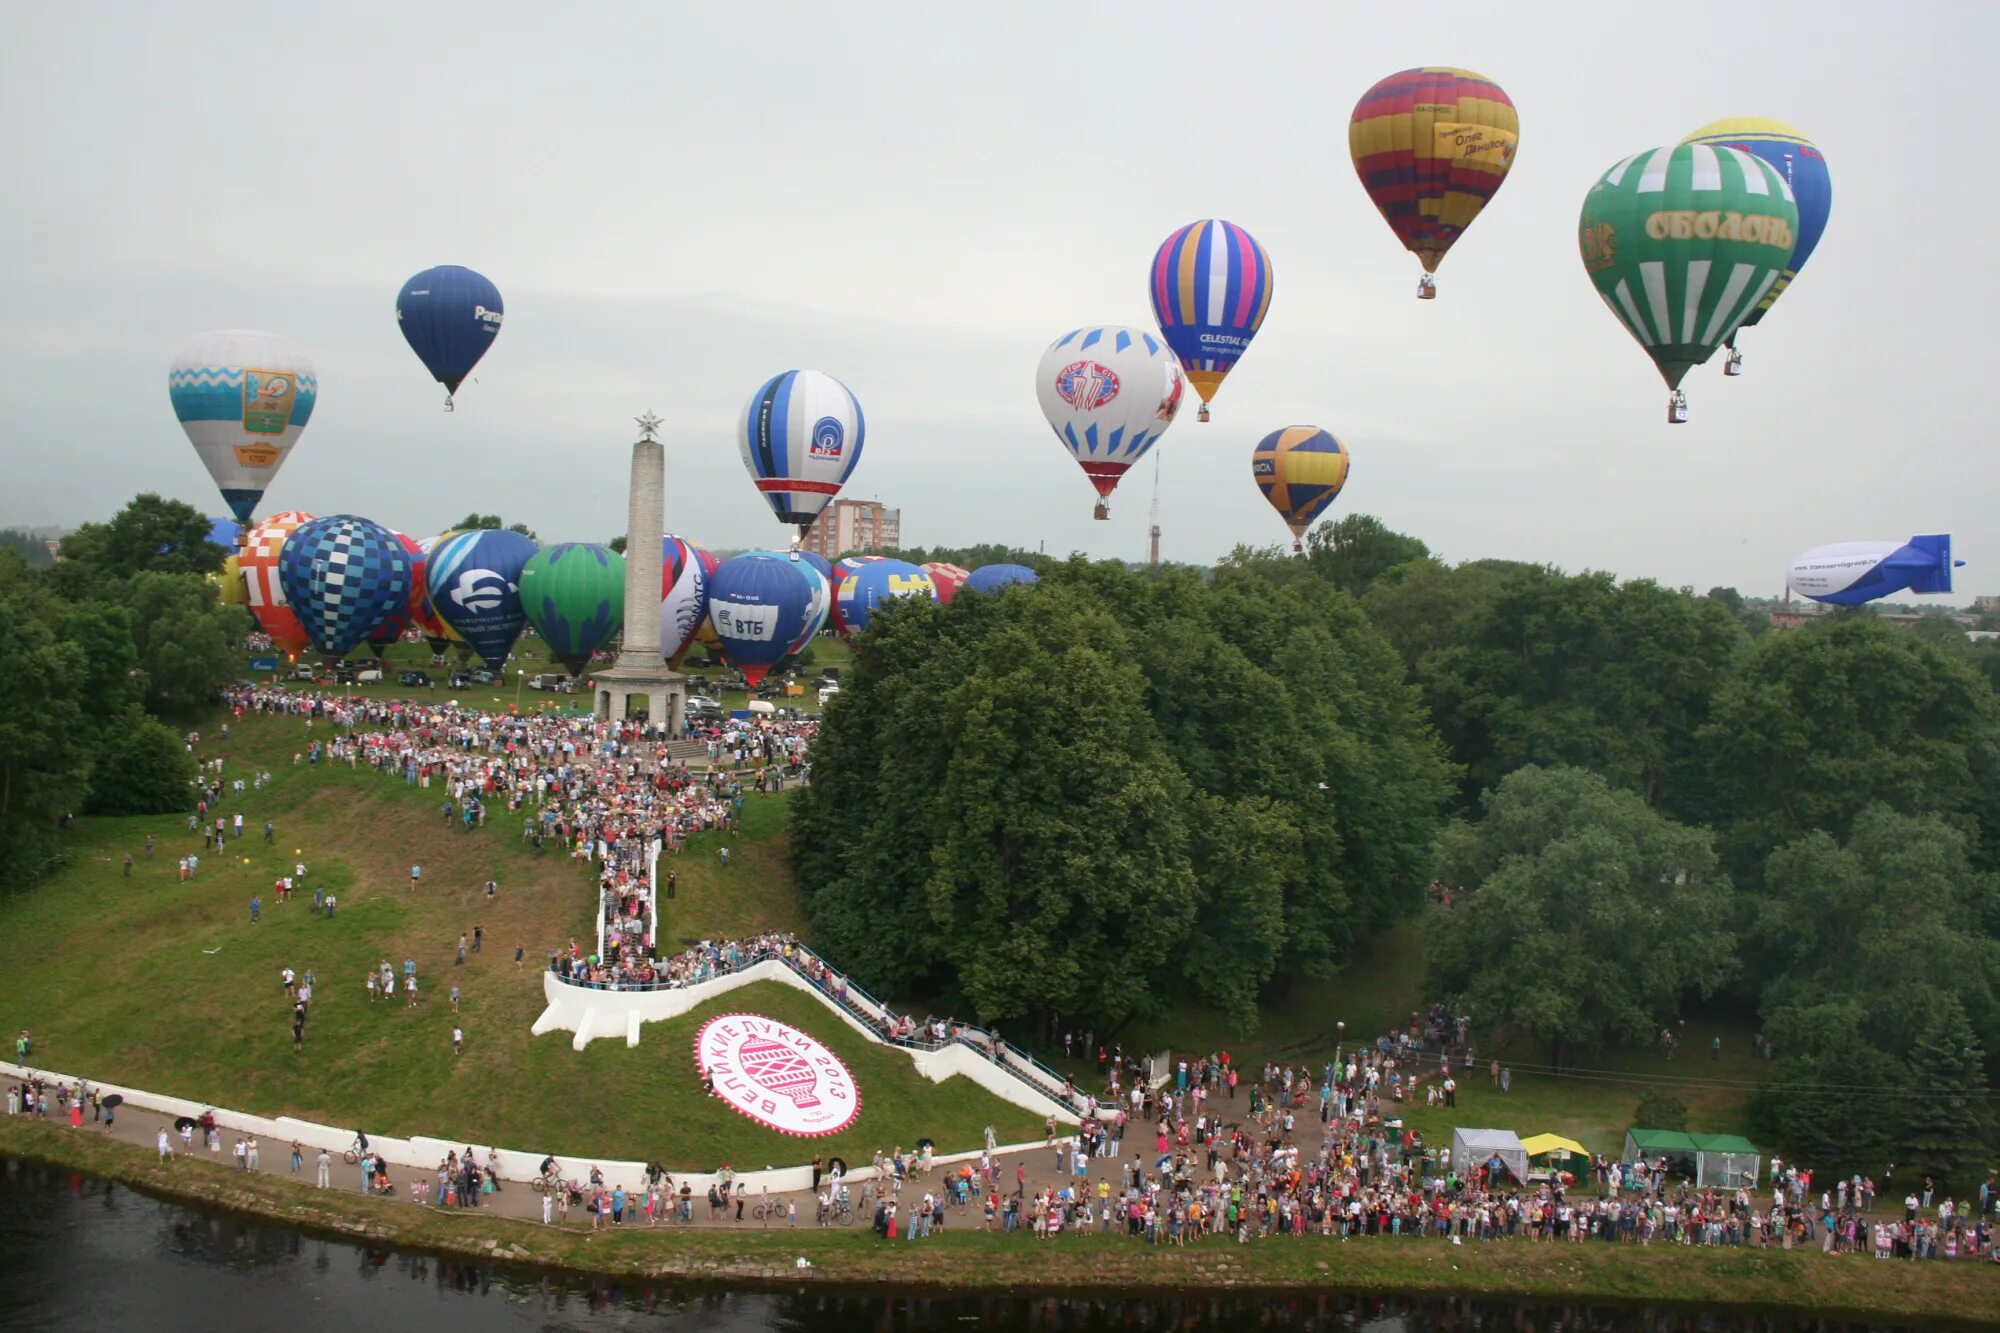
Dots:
(663, 688)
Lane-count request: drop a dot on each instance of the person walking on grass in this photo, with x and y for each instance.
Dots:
(160, 1143)
(416, 873)
(458, 1041)
(461, 949)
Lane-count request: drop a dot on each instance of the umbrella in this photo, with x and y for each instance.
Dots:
(925, 1143)
(836, 1166)
(184, 1122)
(115, 1099)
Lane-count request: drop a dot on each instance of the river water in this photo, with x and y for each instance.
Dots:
(78, 1253)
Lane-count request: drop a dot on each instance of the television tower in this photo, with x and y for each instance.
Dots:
(1153, 531)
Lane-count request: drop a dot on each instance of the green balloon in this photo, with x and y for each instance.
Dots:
(574, 594)
(1683, 243)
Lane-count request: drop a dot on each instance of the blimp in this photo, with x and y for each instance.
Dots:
(1850, 573)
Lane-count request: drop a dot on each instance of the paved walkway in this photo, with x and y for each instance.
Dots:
(517, 1199)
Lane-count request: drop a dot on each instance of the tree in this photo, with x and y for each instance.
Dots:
(1549, 668)
(1948, 1121)
(1589, 917)
(1897, 914)
(32, 549)
(143, 769)
(1835, 1100)
(1659, 1110)
(1353, 552)
(617, 543)
(150, 534)
(185, 640)
(475, 522)
(44, 763)
(1813, 726)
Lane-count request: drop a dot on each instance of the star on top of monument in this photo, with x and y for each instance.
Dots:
(649, 426)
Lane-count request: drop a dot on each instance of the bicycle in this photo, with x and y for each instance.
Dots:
(840, 1214)
(352, 1157)
(772, 1211)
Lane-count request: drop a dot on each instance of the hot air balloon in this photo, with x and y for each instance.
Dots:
(1211, 284)
(262, 588)
(842, 569)
(1432, 146)
(390, 631)
(343, 576)
(475, 586)
(992, 578)
(946, 579)
(230, 582)
(1803, 166)
(801, 436)
(242, 397)
(1109, 393)
(758, 608)
(449, 316)
(819, 562)
(1299, 469)
(684, 573)
(574, 595)
(864, 591)
(225, 532)
(1682, 243)
(437, 634)
(1850, 573)
(817, 609)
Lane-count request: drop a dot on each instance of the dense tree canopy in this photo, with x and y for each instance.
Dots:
(476, 521)
(1129, 785)
(1815, 725)
(1584, 916)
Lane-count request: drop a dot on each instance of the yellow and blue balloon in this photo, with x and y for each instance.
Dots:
(1300, 470)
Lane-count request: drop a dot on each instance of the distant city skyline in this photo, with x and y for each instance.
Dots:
(676, 204)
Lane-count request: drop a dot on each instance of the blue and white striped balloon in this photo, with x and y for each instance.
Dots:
(801, 435)
(242, 397)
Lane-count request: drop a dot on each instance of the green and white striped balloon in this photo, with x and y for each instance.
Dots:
(1683, 243)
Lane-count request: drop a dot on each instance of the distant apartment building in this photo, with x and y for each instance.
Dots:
(854, 525)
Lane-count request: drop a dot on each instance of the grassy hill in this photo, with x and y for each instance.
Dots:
(169, 986)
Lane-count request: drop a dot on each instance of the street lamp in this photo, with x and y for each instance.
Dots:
(520, 675)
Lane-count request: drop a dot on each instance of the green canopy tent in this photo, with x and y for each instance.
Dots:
(1725, 1161)
(1650, 1145)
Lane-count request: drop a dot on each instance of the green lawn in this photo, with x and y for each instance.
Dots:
(169, 986)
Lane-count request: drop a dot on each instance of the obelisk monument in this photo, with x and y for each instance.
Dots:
(641, 670)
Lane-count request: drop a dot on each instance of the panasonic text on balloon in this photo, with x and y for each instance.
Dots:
(480, 312)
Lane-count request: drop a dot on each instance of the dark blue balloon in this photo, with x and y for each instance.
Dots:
(343, 576)
(475, 587)
(873, 583)
(449, 316)
(224, 532)
(820, 563)
(758, 608)
(992, 578)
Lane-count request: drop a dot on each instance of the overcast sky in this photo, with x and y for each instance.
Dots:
(677, 202)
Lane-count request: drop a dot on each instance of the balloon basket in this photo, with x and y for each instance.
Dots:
(1734, 365)
(1203, 414)
(1677, 409)
(1427, 288)
(1102, 510)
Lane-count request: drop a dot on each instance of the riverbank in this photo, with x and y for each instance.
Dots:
(967, 1259)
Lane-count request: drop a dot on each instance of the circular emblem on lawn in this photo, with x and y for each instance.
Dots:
(782, 1078)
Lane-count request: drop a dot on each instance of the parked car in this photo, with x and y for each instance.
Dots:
(481, 676)
(342, 676)
(460, 679)
(303, 671)
(553, 680)
(368, 675)
(827, 692)
(698, 703)
(414, 678)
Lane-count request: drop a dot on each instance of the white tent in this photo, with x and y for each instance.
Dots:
(1474, 1148)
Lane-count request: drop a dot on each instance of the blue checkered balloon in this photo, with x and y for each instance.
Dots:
(343, 576)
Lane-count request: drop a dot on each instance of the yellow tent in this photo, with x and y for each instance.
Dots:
(1543, 1144)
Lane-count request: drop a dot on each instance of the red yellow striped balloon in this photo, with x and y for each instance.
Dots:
(1432, 146)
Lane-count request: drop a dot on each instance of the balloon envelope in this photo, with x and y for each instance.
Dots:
(1850, 573)
(758, 608)
(1300, 470)
(1800, 161)
(864, 591)
(390, 631)
(224, 532)
(449, 316)
(992, 578)
(818, 608)
(574, 596)
(819, 562)
(242, 397)
(343, 576)
(1682, 243)
(685, 569)
(946, 579)
(1432, 146)
(1211, 286)
(262, 588)
(800, 435)
(475, 586)
(1108, 393)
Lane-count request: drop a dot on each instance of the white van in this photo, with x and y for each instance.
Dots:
(369, 676)
(827, 692)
